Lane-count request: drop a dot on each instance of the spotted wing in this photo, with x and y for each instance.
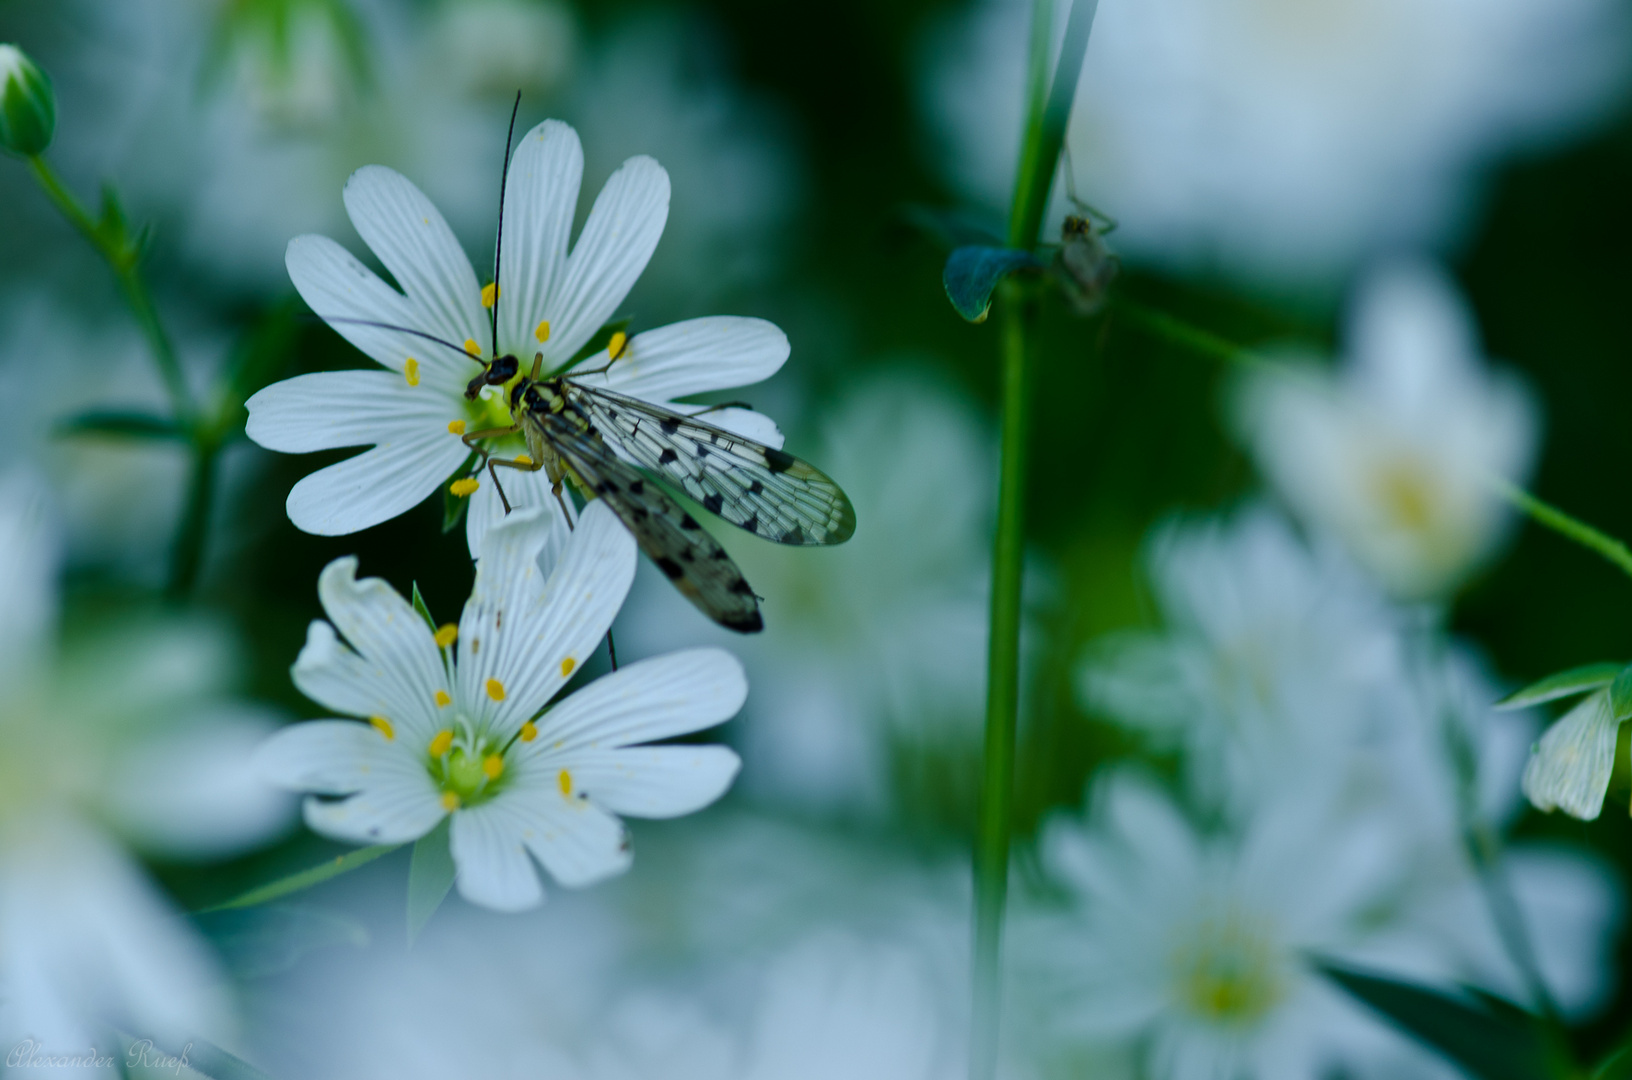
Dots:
(671, 538)
(756, 487)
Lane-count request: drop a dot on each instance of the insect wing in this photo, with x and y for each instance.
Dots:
(756, 487)
(699, 567)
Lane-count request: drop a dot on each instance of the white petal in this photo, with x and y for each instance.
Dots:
(612, 250)
(403, 228)
(328, 757)
(493, 867)
(651, 781)
(713, 353)
(520, 629)
(395, 812)
(335, 285)
(331, 409)
(195, 790)
(376, 485)
(526, 491)
(745, 422)
(393, 660)
(540, 198)
(651, 699)
(1569, 768)
(578, 842)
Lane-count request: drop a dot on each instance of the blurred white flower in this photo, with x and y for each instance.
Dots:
(550, 304)
(1269, 662)
(1398, 454)
(874, 650)
(466, 733)
(493, 48)
(1570, 766)
(122, 738)
(1287, 139)
(1195, 946)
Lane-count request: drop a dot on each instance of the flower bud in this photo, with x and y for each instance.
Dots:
(28, 108)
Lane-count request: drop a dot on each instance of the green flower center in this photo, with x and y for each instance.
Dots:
(469, 768)
(1227, 972)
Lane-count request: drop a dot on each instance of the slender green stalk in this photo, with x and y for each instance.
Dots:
(1002, 694)
(187, 555)
(1161, 324)
(1560, 522)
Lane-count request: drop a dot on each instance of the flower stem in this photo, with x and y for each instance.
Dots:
(1048, 108)
(1551, 516)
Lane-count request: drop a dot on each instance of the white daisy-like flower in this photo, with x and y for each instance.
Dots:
(451, 721)
(1397, 455)
(551, 301)
(119, 742)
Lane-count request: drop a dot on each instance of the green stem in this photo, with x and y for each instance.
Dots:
(1002, 695)
(1161, 324)
(187, 556)
(1560, 522)
(123, 259)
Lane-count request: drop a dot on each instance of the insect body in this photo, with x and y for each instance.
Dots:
(602, 440)
(1086, 264)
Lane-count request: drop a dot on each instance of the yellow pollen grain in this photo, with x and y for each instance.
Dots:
(619, 342)
(523, 459)
(464, 486)
(567, 665)
(410, 371)
(542, 331)
(529, 731)
(442, 699)
(450, 801)
(472, 348)
(383, 726)
(495, 689)
(441, 742)
(490, 293)
(493, 766)
(565, 780)
(456, 427)
(446, 635)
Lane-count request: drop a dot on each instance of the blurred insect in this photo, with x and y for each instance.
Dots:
(601, 440)
(1084, 265)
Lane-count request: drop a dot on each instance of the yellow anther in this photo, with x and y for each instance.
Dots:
(450, 801)
(523, 459)
(456, 427)
(383, 726)
(410, 371)
(567, 665)
(529, 731)
(464, 486)
(446, 635)
(493, 766)
(441, 742)
(442, 699)
(619, 342)
(542, 331)
(495, 689)
(472, 348)
(490, 293)
(565, 780)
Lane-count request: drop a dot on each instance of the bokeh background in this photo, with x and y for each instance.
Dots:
(1263, 159)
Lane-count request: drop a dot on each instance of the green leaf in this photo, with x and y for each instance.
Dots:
(598, 343)
(259, 942)
(147, 1057)
(948, 228)
(972, 273)
(121, 423)
(1574, 681)
(1616, 1065)
(430, 876)
(1620, 694)
(1490, 1044)
(305, 879)
(453, 506)
(423, 609)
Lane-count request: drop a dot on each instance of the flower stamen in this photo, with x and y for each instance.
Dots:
(410, 371)
(441, 743)
(490, 293)
(446, 635)
(383, 726)
(442, 699)
(463, 486)
(542, 331)
(495, 689)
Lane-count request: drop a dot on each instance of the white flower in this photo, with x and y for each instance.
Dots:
(460, 731)
(123, 738)
(550, 302)
(1288, 139)
(1398, 454)
(1270, 657)
(1195, 948)
(1570, 766)
(900, 610)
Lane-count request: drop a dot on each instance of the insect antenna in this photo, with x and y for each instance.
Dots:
(498, 243)
(460, 349)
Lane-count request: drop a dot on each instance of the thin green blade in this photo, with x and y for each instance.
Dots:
(305, 879)
(430, 876)
(1577, 680)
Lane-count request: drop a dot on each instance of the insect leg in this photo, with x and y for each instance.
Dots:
(524, 466)
(611, 649)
